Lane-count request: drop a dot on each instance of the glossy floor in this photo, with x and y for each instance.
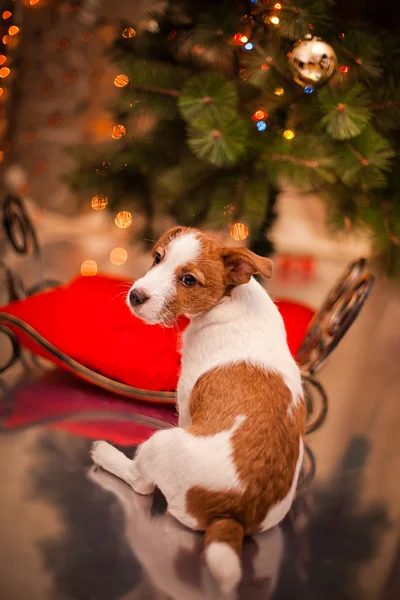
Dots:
(71, 532)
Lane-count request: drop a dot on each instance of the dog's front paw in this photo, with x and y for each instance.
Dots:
(100, 452)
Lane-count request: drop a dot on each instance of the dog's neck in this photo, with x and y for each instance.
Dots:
(250, 300)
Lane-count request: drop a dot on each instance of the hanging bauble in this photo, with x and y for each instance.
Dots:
(313, 61)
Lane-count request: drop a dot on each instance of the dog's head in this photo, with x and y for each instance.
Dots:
(191, 273)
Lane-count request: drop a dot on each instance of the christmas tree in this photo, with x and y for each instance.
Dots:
(242, 98)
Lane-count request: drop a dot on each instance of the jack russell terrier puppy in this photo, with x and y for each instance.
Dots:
(231, 467)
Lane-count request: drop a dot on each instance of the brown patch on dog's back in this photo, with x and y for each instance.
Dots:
(265, 445)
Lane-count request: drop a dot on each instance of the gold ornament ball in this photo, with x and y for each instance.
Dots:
(239, 231)
(99, 201)
(117, 132)
(121, 80)
(313, 61)
(123, 219)
(118, 256)
(128, 32)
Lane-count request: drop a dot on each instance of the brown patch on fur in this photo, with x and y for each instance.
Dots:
(170, 235)
(217, 271)
(208, 269)
(265, 445)
(240, 264)
(225, 530)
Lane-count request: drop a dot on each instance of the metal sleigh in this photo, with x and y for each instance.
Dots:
(327, 328)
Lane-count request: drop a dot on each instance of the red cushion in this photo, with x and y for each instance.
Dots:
(85, 327)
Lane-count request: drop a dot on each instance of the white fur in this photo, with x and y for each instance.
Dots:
(159, 283)
(175, 461)
(224, 564)
(244, 327)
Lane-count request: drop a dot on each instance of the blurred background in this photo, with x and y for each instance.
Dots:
(270, 124)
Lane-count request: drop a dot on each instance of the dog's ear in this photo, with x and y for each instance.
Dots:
(240, 264)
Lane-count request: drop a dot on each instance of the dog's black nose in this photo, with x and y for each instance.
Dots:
(137, 297)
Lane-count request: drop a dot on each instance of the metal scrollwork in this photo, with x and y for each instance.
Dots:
(325, 331)
(334, 318)
(15, 348)
(18, 226)
(21, 234)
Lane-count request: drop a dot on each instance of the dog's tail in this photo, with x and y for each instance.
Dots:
(223, 541)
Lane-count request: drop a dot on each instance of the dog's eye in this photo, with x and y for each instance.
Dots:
(157, 258)
(188, 280)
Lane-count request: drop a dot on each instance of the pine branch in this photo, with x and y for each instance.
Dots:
(393, 238)
(364, 161)
(155, 90)
(387, 104)
(312, 164)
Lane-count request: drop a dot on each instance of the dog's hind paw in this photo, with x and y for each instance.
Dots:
(100, 453)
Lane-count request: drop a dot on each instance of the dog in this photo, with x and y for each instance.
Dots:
(231, 467)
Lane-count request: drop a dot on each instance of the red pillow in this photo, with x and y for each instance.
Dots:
(85, 327)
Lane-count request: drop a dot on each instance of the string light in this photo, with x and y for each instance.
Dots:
(117, 132)
(229, 209)
(264, 67)
(277, 6)
(7, 14)
(40, 167)
(62, 44)
(344, 69)
(289, 134)
(4, 72)
(33, 2)
(121, 80)
(1, 92)
(249, 46)
(261, 125)
(274, 20)
(118, 256)
(128, 32)
(53, 121)
(123, 219)
(99, 202)
(70, 76)
(239, 231)
(13, 30)
(86, 36)
(258, 115)
(308, 89)
(279, 91)
(198, 49)
(2, 59)
(6, 39)
(89, 268)
(241, 38)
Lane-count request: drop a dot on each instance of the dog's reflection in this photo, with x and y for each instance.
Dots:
(172, 556)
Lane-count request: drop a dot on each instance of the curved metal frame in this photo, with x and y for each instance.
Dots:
(335, 316)
(16, 348)
(327, 328)
(21, 234)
